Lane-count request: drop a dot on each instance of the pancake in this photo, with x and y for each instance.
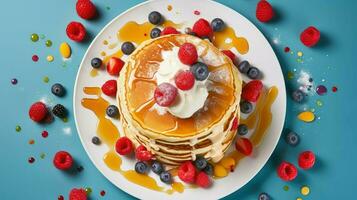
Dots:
(172, 139)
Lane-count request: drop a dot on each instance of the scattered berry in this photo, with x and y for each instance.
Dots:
(218, 24)
(141, 153)
(235, 124)
(60, 197)
(102, 193)
(96, 140)
(96, 63)
(203, 180)
(230, 55)
(123, 146)
(166, 177)
(44, 134)
(141, 167)
(63, 160)
(208, 169)
(157, 167)
(78, 194)
(169, 30)
(155, 32)
(76, 31)
(242, 129)
(155, 18)
(127, 48)
(59, 111)
(114, 66)
(188, 54)
(200, 71)
(263, 196)
(202, 28)
(187, 172)
(184, 80)
(86, 9)
(244, 66)
(31, 160)
(321, 90)
(264, 11)
(292, 138)
(306, 160)
(287, 171)
(244, 146)
(58, 90)
(112, 111)
(88, 190)
(165, 94)
(110, 88)
(298, 96)
(251, 91)
(286, 49)
(200, 163)
(38, 111)
(246, 107)
(253, 73)
(310, 36)
(14, 81)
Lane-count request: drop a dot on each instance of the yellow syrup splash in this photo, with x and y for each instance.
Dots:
(228, 39)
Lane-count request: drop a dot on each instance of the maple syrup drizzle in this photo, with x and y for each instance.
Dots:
(228, 39)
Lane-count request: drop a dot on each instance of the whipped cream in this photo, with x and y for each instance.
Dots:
(189, 101)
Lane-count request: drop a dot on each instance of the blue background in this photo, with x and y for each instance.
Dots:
(332, 137)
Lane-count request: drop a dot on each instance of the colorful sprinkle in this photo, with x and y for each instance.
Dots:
(306, 116)
(44, 134)
(321, 90)
(50, 58)
(14, 81)
(299, 53)
(334, 89)
(65, 50)
(32, 141)
(305, 190)
(35, 58)
(196, 12)
(286, 188)
(60, 197)
(319, 103)
(31, 160)
(48, 43)
(102, 193)
(65, 119)
(42, 155)
(88, 190)
(46, 79)
(299, 198)
(169, 7)
(34, 37)
(18, 128)
(286, 49)
(290, 75)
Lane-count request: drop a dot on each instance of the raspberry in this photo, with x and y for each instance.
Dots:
(235, 124)
(63, 160)
(244, 146)
(287, 171)
(76, 31)
(187, 172)
(86, 9)
(203, 180)
(165, 94)
(142, 154)
(114, 66)
(264, 11)
(188, 54)
(202, 28)
(230, 54)
(110, 88)
(310, 36)
(251, 91)
(38, 111)
(306, 160)
(78, 194)
(169, 30)
(184, 80)
(124, 146)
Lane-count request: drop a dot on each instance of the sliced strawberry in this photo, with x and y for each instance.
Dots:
(114, 66)
(244, 146)
(251, 91)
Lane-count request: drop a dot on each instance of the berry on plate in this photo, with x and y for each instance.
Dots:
(202, 28)
(310, 36)
(200, 162)
(155, 18)
(155, 32)
(77, 194)
(200, 71)
(96, 140)
(169, 30)
(59, 111)
(124, 146)
(96, 63)
(166, 177)
(246, 107)
(112, 111)
(203, 180)
(184, 80)
(287, 171)
(114, 66)
(76, 31)
(218, 24)
(253, 73)
(244, 66)
(127, 48)
(251, 91)
(142, 154)
(244, 146)
(110, 88)
(157, 167)
(264, 11)
(165, 94)
(58, 90)
(306, 160)
(230, 55)
(187, 172)
(86, 9)
(141, 167)
(63, 160)
(242, 129)
(208, 169)
(188, 54)
(38, 111)
(235, 124)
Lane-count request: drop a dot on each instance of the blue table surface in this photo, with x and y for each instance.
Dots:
(331, 137)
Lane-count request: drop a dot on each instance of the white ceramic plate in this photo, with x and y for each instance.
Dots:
(260, 54)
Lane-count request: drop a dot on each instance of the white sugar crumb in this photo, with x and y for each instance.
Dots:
(305, 82)
(67, 130)
(159, 109)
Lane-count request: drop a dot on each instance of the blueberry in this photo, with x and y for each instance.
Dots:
(253, 73)
(127, 48)
(95, 140)
(292, 138)
(208, 169)
(217, 24)
(141, 167)
(242, 129)
(200, 71)
(298, 96)
(200, 162)
(263, 196)
(157, 167)
(155, 32)
(59, 110)
(96, 62)
(246, 107)
(244, 66)
(58, 90)
(166, 177)
(112, 111)
(155, 18)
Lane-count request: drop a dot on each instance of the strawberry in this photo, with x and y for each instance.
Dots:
(202, 28)
(264, 11)
(78, 194)
(184, 80)
(63, 160)
(287, 171)
(203, 180)
(187, 172)
(234, 124)
(86, 9)
(76, 31)
(114, 66)
(188, 54)
(251, 91)
(310, 36)
(306, 160)
(110, 88)
(244, 146)
(142, 154)
(230, 54)
(124, 146)
(169, 30)
(38, 111)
